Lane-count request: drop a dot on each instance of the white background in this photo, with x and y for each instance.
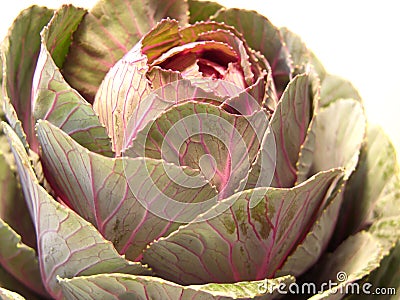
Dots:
(356, 39)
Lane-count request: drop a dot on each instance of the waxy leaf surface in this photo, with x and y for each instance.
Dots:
(316, 241)
(19, 259)
(68, 245)
(249, 240)
(334, 139)
(373, 188)
(140, 287)
(53, 99)
(261, 36)
(289, 126)
(123, 197)
(109, 31)
(21, 49)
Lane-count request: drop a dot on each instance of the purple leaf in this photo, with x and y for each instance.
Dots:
(318, 236)
(68, 246)
(205, 137)
(261, 36)
(249, 240)
(109, 31)
(126, 199)
(53, 99)
(159, 77)
(289, 126)
(160, 100)
(124, 86)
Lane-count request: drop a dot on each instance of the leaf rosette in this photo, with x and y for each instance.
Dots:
(183, 150)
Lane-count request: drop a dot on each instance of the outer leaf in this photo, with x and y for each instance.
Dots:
(19, 259)
(372, 188)
(124, 198)
(386, 276)
(67, 244)
(140, 287)
(317, 239)
(13, 209)
(20, 56)
(9, 295)
(57, 35)
(387, 231)
(387, 205)
(334, 139)
(160, 39)
(1, 90)
(334, 87)
(53, 99)
(289, 124)
(10, 283)
(249, 240)
(109, 31)
(191, 133)
(261, 35)
(358, 256)
(202, 10)
(12, 118)
(302, 57)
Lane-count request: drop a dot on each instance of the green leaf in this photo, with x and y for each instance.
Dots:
(373, 189)
(159, 77)
(160, 39)
(13, 209)
(333, 140)
(334, 87)
(316, 241)
(162, 99)
(262, 36)
(387, 276)
(126, 199)
(53, 99)
(9, 295)
(10, 283)
(302, 57)
(202, 10)
(19, 259)
(67, 244)
(205, 137)
(124, 86)
(249, 240)
(387, 231)
(289, 124)
(57, 35)
(109, 31)
(354, 259)
(139, 287)
(21, 49)
(387, 204)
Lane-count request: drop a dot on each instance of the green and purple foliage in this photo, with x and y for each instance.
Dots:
(182, 150)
